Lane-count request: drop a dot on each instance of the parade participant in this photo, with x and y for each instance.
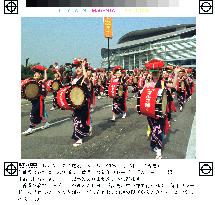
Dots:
(141, 80)
(38, 112)
(97, 86)
(124, 81)
(119, 103)
(148, 77)
(109, 75)
(94, 78)
(181, 89)
(67, 73)
(129, 78)
(157, 125)
(169, 91)
(91, 79)
(190, 82)
(187, 87)
(135, 82)
(66, 78)
(67, 68)
(103, 79)
(89, 82)
(81, 117)
(56, 66)
(57, 77)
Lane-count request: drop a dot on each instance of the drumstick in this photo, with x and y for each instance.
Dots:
(82, 81)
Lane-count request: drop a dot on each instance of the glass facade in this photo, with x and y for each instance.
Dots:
(174, 50)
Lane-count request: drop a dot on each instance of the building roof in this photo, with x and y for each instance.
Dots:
(151, 32)
(149, 39)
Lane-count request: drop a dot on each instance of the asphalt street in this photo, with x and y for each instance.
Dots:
(123, 139)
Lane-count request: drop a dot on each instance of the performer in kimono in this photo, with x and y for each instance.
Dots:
(89, 82)
(38, 112)
(157, 125)
(57, 77)
(119, 103)
(181, 89)
(81, 117)
(135, 78)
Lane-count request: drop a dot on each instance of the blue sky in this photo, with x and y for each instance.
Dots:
(47, 40)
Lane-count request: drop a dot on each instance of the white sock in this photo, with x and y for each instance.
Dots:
(158, 152)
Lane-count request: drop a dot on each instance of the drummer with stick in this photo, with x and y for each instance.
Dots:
(81, 117)
(157, 125)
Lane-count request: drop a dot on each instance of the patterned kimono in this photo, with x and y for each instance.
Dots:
(54, 101)
(181, 93)
(97, 88)
(170, 101)
(92, 92)
(38, 112)
(119, 104)
(106, 87)
(157, 127)
(135, 85)
(81, 117)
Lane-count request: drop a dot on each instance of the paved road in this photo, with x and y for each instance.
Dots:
(123, 139)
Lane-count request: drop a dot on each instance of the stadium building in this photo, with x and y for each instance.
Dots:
(175, 44)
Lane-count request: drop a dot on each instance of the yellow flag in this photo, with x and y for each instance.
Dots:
(108, 33)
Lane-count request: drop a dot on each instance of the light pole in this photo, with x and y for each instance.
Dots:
(108, 54)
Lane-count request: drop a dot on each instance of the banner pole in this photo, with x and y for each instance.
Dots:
(108, 54)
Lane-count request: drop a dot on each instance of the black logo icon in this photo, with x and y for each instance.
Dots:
(11, 169)
(11, 7)
(205, 168)
(206, 7)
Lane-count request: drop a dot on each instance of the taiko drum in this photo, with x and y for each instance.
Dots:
(30, 89)
(152, 102)
(115, 89)
(71, 97)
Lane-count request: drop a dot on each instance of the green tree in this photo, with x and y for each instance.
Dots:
(26, 72)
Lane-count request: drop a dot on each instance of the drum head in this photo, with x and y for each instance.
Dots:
(120, 90)
(55, 86)
(77, 96)
(31, 91)
(164, 102)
